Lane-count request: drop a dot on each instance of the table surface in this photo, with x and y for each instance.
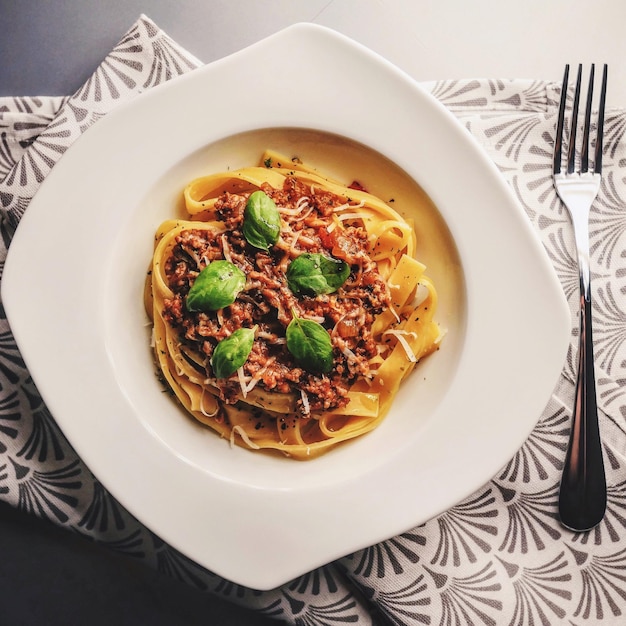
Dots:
(50, 48)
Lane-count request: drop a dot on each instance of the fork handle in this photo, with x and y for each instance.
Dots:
(582, 497)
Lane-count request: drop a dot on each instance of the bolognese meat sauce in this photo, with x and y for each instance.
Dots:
(308, 225)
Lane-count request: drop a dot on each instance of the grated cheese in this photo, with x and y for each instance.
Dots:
(442, 333)
(272, 337)
(306, 407)
(179, 370)
(421, 294)
(334, 331)
(348, 353)
(315, 318)
(306, 214)
(194, 255)
(292, 247)
(258, 375)
(304, 200)
(399, 334)
(202, 410)
(395, 314)
(244, 435)
(242, 381)
(331, 227)
(302, 203)
(226, 249)
(347, 205)
(352, 216)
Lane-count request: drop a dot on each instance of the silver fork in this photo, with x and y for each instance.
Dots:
(582, 497)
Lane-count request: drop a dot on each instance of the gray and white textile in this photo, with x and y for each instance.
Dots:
(499, 557)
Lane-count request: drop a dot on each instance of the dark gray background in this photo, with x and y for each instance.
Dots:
(50, 577)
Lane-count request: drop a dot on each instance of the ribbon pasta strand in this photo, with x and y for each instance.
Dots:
(249, 408)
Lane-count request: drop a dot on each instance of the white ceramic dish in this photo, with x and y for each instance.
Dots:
(260, 520)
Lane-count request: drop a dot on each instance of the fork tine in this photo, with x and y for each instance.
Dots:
(571, 148)
(597, 165)
(584, 153)
(558, 138)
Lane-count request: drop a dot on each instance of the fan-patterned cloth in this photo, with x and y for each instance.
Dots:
(499, 557)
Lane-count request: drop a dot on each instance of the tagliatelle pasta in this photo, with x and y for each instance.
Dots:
(288, 307)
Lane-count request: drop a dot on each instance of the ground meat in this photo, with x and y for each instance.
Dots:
(267, 302)
(230, 208)
(288, 196)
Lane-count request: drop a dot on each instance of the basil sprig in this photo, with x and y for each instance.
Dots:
(231, 353)
(217, 286)
(315, 274)
(261, 221)
(310, 345)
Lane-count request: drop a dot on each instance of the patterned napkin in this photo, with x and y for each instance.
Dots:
(500, 556)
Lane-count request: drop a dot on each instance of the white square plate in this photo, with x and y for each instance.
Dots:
(73, 282)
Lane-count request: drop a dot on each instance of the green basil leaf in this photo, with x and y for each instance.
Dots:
(217, 286)
(315, 274)
(310, 345)
(261, 221)
(231, 353)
